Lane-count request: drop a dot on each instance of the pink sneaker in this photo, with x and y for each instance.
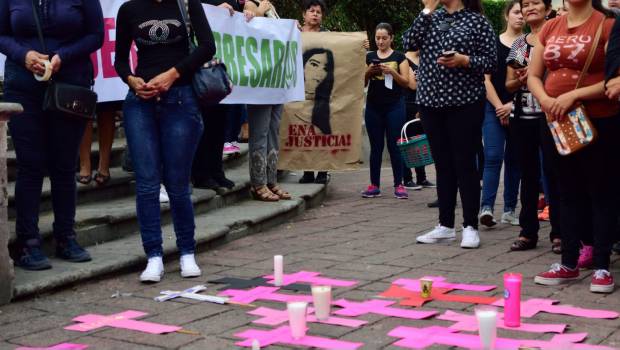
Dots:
(230, 148)
(585, 257)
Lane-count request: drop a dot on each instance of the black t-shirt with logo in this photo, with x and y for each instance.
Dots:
(378, 93)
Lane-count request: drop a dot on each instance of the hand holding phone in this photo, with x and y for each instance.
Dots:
(448, 54)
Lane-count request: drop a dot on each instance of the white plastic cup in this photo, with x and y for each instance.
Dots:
(322, 300)
(297, 312)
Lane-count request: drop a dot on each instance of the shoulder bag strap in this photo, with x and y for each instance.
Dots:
(184, 8)
(37, 22)
(591, 54)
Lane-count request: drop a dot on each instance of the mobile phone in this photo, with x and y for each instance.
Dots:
(448, 54)
(375, 61)
(516, 64)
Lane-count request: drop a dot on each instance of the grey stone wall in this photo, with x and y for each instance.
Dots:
(6, 264)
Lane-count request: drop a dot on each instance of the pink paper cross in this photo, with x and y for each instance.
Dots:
(440, 282)
(282, 335)
(262, 293)
(312, 278)
(531, 307)
(469, 323)
(63, 346)
(420, 338)
(379, 307)
(272, 317)
(123, 320)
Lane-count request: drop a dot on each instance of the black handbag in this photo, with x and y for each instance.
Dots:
(71, 99)
(211, 82)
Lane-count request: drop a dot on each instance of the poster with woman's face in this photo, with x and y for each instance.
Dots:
(324, 131)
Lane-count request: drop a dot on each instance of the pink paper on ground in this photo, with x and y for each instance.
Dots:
(531, 307)
(262, 293)
(312, 278)
(420, 338)
(440, 282)
(63, 346)
(469, 323)
(273, 317)
(123, 320)
(380, 307)
(282, 335)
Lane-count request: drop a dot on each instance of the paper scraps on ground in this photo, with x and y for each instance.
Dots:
(421, 338)
(531, 307)
(262, 293)
(312, 278)
(191, 293)
(63, 346)
(124, 320)
(469, 323)
(409, 298)
(282, 336)
(273, 317)
(440, 282)
(378, 307)
(239, 283)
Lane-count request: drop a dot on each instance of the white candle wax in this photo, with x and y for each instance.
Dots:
(322, 299)
(297, 311)
(278, 270)
(255, 344)
(487, 326)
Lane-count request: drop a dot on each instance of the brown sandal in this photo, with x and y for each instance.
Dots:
(264, 194)
(280, 192)
(556, 246)
(523, 244)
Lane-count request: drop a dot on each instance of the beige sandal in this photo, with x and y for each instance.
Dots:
(282, 194)
(264, 194)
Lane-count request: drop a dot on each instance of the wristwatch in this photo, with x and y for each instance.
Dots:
(426, 11)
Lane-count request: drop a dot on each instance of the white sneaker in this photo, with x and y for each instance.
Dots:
(511, 218)
(163, 195)
(486, 218)
(471, 239)
(439, 234)
(154, 270)
(189, 267)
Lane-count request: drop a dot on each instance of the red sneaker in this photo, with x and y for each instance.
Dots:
(558, 274)
(602, 282)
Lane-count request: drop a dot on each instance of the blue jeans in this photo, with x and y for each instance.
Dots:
(498, 149)
(385, 121)
(162, 137)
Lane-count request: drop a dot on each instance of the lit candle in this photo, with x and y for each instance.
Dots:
(278, 270)
(426, 287)
(487, 326)
(512, 299)
(322, 300)
(297, 311)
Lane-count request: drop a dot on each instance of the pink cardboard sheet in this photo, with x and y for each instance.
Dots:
(531, 307)
(312, 278)
(440, 282)
(420, 338)
(262, 293)
(63, 346)
(469, 323)
(122, 320)
(282, 336)
(379, 307)
(273, 317)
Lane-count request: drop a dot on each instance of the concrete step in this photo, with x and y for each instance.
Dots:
(107, 220)
(212, 228)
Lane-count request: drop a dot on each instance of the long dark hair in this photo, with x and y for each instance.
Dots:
(473, 6)
(598, 6)
(322, 94)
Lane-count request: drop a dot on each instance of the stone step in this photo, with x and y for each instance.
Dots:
(212, 228)
(107, 220)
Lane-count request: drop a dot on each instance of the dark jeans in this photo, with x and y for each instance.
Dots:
(413, 129)
(162, 137)
(235, 117)
(208, 159)
(454, 134)
(530, 136)
(45, 143)
(591, 176)
(385, 121)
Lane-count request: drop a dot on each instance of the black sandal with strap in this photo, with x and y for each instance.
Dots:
(520, 245)
(100, 179)
(83, 179)
(556, 246)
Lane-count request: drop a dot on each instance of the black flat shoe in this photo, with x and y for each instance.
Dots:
(307, 178)
(207, 184)
(520, 245)
(434, 204)
(224, 182)
(72, 251)
(322, 178)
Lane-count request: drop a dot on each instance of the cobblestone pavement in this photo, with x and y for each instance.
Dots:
(369, 240)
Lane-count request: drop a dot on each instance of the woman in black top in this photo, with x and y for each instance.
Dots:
(457, 48)
(387, 77)
(498, 147)
(162, 117)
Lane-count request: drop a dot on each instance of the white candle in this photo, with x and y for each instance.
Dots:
(487, 326)
(278, 269)
(322, 300)
(297, 311)
(255, 344)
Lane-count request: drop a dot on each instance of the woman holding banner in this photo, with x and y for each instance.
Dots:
(47, 141)
(162, 118)
(264, 123)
